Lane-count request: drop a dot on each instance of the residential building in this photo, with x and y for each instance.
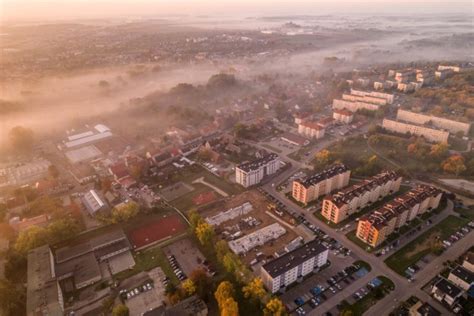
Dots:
(353, 106)
(26, 223)
(406, 87)
(351, 200)
(294, 139)
(364, 98)
(321, 183)
(375, 227)
(423, 309)
(461, 277)
(311, 130)
(43, 293)
(288, 268)
(251, 173)
(443, 74)
(430, 134)
(405, 75)
(343, 116)
(452, 68)
(439, 122)
(445, 291)
(468, 262)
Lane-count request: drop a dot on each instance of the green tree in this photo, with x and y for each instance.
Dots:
(62, 229)
(202, 282)
(124, 212)
(21, 138)
(120, 310)
(12, 298)
(31, 238)
(45, 205)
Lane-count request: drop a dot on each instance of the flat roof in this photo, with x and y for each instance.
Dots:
(464, 274)
(294, 258)
(448, 288)
(83, 269)
(323, 175)
(256, 164)
(88, 139)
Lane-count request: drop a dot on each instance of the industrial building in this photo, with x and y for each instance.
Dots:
(93, 202)
(321, 183)
(98, 133)
(344, 203)
(288, 268)
(251, 173)
(375, 227)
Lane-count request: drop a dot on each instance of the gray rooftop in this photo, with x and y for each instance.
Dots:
(256, 164)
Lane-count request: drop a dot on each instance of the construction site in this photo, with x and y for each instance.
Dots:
(254, 228)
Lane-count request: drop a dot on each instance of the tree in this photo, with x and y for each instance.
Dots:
(62, 229)
(439, 150)
(204, 233)
(189, 287)
(31, 238)
(223, 292)
(254, 289)
(201, 281)
(21, 138)
(120, 310)
(454, 164)
(124, 212)
(323, 157)
(230, 307)
(12, 298)
(274, 307)
(45, 205)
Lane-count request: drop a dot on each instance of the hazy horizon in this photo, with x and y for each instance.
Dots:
(14, 10)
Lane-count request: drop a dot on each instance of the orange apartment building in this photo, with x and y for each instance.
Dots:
(374, 228)
(321, 183)
(344, 203)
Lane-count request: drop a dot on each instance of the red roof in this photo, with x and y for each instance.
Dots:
(119, 170)
(344, 112)
(312, 125)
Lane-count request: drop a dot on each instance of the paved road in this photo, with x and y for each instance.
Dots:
(402, 287)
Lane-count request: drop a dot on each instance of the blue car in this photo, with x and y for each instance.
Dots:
(299, 301)
(316, 290)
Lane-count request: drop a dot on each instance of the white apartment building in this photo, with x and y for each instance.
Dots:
(452, 68)
(430, 134)
(311, 130)
(353, 106)
(439, 122)
(251, 173)
(376, 94)
(343, 116)
(364, 98)
(287, 269)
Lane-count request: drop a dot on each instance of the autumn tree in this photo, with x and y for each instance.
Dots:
(12, 298)
(124, 212)
(439, 150)
(204, 233)
(274, 307)
(254, 289)
(454, 164)
(230, 307)
(323, 157)
(31, 238)
(120, 310)
(188, 287)
(21, 138)
(224, 291)
(202, 282)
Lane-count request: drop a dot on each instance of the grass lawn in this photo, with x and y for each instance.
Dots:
(364, 304)
(466, 213)
(352, 237)
(426, 243)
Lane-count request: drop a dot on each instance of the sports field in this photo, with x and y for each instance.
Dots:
(156, 231)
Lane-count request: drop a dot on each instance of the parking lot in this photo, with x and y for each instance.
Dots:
(187, 255)
(323, 285)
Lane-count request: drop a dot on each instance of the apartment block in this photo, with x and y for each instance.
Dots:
(353, 106)
(439, 122)
(321, 183)
(351, 200)
(288, 268)
(343, 116)
(461, 277)
(311, 130)
(374, 228)
(251, 173)
(364, 98)
(430, 134)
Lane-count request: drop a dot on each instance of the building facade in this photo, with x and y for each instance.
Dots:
(251, 173)
(374, 228)
(311, 130)
(343, 116)
(439, 122)
(321, 183)
(430, 134)
(288, 268)
(344, 203)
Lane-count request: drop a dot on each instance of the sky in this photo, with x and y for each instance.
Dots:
(66, 9)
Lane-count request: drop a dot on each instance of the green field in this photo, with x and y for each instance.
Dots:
(429, 242)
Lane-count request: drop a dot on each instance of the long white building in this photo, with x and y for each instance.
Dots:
(430, 134)
(251, 173)
(439, 122)
(287, 269)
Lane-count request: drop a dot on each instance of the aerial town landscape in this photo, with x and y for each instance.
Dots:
(265, 164)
